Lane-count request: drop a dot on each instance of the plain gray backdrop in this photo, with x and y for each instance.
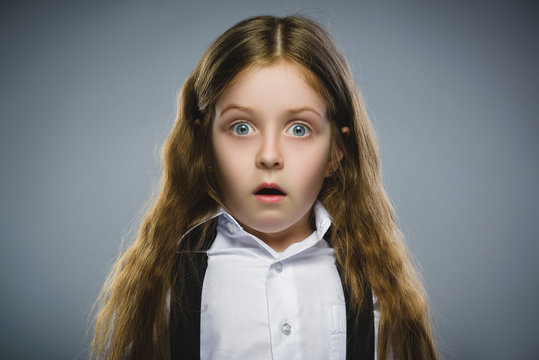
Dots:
(88, 94)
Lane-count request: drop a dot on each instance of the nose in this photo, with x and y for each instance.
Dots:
(270, 155)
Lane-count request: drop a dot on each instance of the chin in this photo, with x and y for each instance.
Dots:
(270, 226)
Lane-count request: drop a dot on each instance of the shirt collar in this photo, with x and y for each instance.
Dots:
(234, 236)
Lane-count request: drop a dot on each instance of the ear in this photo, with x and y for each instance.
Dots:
(337, 157)
(197, 123)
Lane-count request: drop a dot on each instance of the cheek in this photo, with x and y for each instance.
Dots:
(310, 166)
(231, 162)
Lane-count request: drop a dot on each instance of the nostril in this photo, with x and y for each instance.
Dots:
(269, 159)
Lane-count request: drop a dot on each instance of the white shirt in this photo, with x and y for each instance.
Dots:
(261, 304)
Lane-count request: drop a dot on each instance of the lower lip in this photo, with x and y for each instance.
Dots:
(269, 199)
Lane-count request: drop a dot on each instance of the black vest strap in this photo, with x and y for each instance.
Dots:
(184, 324)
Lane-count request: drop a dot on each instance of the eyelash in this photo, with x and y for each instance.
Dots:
(234, 126)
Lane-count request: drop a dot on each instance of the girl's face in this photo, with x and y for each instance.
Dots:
(271, 140)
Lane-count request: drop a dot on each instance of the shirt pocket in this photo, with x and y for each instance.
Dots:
(337, 332)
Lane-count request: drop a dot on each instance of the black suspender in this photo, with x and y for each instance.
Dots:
(359, 329)
(184, 325)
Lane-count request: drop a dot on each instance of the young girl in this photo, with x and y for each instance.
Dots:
(271, 237)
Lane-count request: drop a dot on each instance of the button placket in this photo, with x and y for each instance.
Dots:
(283, 310)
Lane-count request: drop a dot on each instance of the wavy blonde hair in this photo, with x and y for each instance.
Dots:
(132, 309)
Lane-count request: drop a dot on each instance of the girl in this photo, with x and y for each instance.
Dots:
(272, 236)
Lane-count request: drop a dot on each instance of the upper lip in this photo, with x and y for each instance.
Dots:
(268, 186)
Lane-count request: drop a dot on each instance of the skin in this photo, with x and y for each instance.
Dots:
(266, 143)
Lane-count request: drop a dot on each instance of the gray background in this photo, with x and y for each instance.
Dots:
(87, 96)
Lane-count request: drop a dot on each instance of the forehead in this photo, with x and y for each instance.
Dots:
(278, 84)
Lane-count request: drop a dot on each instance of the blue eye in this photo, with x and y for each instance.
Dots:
(299, 130)
(242, 129)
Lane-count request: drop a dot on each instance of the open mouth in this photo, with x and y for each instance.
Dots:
(269, 193)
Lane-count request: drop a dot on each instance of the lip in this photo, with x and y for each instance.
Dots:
(269, 199)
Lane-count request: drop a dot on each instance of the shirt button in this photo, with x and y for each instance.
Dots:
(231, 228)
(278, 267)
(286, 329)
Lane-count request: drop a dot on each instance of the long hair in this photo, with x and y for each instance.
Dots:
(369, 248)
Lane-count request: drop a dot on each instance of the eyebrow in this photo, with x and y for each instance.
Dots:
(251, 111)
